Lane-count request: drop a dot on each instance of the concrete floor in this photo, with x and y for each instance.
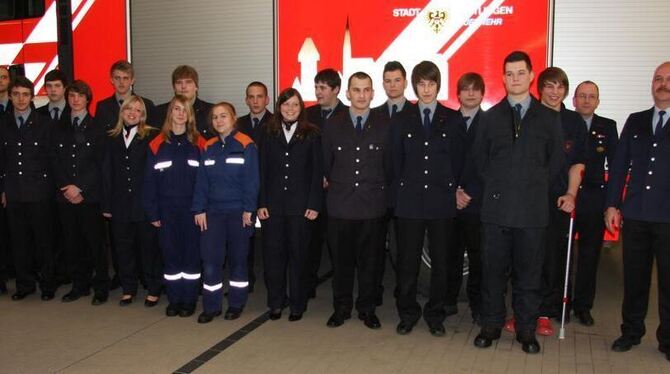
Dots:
(47, 337)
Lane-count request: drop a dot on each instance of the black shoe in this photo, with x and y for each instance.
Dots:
(370, 320)
(274, 314)
(99, 299)
(404, 327)
(665, 350)
(337, 319)
(150, 304)
(294, 317)
(624, 343)
(126, 301)
(208, 317)
(232, 313)
(585, 318)
(451, 310)
(436, 329)
(20, 295)
(529, 343)
(47, 295)
(172, 310)
(74, 295)
(186, 310)
(486, 337)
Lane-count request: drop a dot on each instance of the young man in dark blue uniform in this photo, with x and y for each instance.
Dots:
(428, 153)
(553, 86)
(5, 258)
(327, 83)
(357, 169)
(55, 83)
(77, 164)
(253, 125)
(395, 83)
(518, 151)
(602, 140)
(644, 152)
(467, 232)
(28, 191)
(185, 82)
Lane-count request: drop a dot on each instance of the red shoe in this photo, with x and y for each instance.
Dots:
(510, 325)
(544, 327)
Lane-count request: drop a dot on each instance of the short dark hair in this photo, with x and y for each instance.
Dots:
(80, 87)
(426, 70)
(587, 82)
(471, 79)
(555, 75)
(256, 84)
(359, 75)
(23, 82)
(517, 56)
(185, 72)
(124, 66)
(56, 75)
(393, 66)
(330, 77)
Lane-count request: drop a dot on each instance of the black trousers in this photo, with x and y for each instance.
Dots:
(591, 228)
(642, 241)
(251, 261)
(318, 239)
(5, 247)
(286, 248)
(411, 234)
(32, 244)
(553, 270)
(467, 237)
(83, 229)
(135, 240)
(388, 220)
(522, 251)
(355, 249)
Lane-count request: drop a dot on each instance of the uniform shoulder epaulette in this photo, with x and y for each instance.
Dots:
(243, 139)
(210, 142)
(201, 143)
(155, 144)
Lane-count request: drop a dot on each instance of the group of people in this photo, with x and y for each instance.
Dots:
(181, 184)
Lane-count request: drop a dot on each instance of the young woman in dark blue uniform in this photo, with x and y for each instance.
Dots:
(172, 164)
(290, 198)
(123, 176)
(224, 200)
(79, 152)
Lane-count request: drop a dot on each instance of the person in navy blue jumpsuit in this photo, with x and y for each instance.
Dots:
(225, 197)
(123, 177)
(290, 200)
(173, 159)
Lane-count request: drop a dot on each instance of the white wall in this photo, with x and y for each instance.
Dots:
(228, 42)
(616, 44)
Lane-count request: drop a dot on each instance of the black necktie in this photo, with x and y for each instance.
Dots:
(659, 124)
(359, 124)
(75, 123)
(2, 108)
(127, 129)
(55, 110)
(256, 122)
(120, 102)
(426, 121)
(394, 110)
(325, 113)
(467, 124)
(21, 121)
(288, 125)
(517, 120)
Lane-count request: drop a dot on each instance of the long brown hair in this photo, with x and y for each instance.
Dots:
(192, 133)
(303, 127)
(142, 127)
